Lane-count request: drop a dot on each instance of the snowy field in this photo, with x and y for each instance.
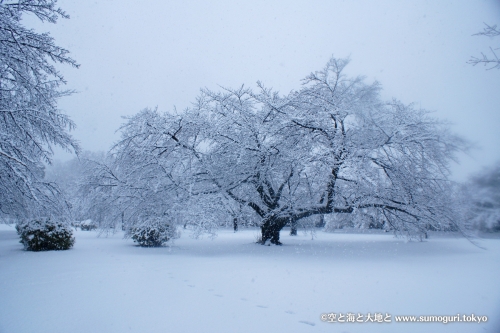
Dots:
(230, 284)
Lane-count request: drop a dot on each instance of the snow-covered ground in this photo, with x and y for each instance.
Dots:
(230, 284)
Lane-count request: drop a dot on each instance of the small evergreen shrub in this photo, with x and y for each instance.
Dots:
(153, 232)
(43, 234)
(88, 225)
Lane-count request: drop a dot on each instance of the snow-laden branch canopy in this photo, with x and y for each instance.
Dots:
(30, 122)
(332, 147)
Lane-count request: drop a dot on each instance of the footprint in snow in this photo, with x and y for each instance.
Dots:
(243, 299)
(191, 285)
(290, 312)
(306, 322)
(262, 306)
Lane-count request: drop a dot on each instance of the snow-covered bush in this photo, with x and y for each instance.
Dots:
(44, 234)
(153, 232)
(88, 225)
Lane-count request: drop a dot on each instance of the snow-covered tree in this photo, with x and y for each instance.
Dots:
(332, 147)
(30, 122)
(384, 160)
(69, 177)
(129, 186)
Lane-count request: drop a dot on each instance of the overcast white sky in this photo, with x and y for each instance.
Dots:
(137, 54)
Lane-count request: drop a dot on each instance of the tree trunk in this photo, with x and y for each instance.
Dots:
(271, 230)
(321, 222)
(293, 226)
(235, 224)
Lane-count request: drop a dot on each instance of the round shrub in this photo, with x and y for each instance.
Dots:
(153, 232)
(43, 234)
(88, 225)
